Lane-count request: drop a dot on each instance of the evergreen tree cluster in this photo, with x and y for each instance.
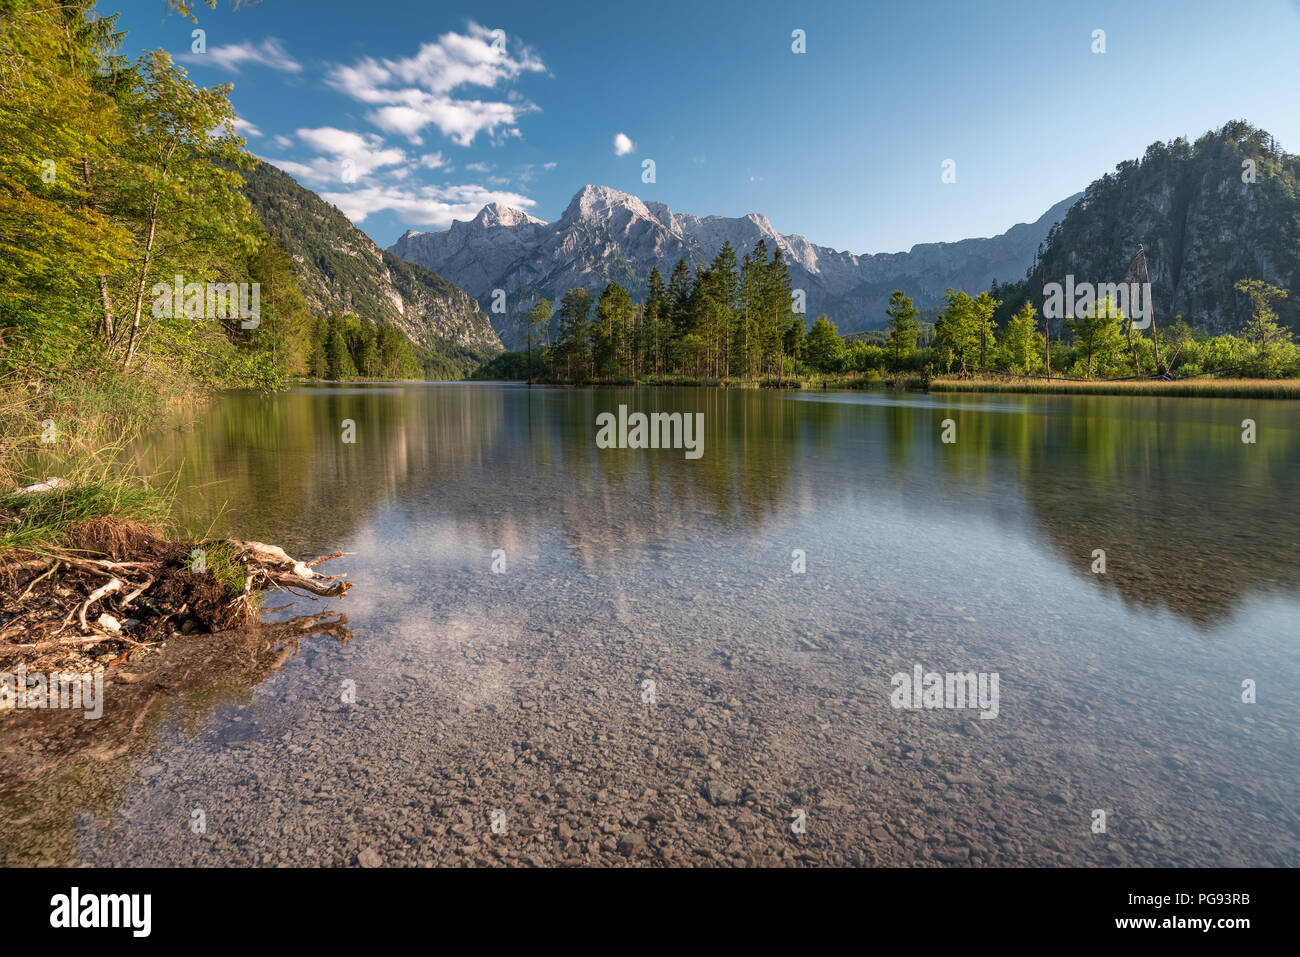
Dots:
(684, 330)
(730, 319)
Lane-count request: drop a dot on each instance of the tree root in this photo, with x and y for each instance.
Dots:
(145, 597)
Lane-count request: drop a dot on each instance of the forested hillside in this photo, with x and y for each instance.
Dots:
(1211, 213)
(344, 274)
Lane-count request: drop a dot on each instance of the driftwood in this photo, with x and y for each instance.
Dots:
(49, 485)
(143, 591)
(269, 565)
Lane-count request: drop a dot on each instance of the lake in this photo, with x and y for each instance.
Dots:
(562, 653)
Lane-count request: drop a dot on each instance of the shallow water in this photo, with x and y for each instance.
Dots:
(522, 690)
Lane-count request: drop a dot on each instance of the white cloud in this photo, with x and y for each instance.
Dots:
(432, 161)
(347, 156)
(236, 125)
(478, 167)
(623, 144)
(461, 120)
(414, 92)
(549, 166)
(299, 170)
(283, 142)
(425, 205)
(270, 53)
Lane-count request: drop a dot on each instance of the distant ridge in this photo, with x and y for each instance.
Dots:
(608, 235)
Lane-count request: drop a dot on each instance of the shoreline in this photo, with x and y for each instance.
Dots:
(1191, 388)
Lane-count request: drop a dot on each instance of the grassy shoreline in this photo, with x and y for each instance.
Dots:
(77, 428)
(915, 382)
(1197, 388)
(100, 548)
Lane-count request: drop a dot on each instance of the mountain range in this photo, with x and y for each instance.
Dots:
(608, 235)
(1209, 213)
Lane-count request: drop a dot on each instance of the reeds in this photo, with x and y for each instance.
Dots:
(1205, 388)
(76, 427)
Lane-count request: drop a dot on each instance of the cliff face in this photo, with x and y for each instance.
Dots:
(342, 271)
(1202, 226)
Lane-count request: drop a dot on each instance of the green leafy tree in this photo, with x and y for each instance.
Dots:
(1098, 334)
(984, 307)
(58, 125)
(957, 332)
(539, 325)
(1263, 329)
(1022, 344)
(825, 348)
(903, 328)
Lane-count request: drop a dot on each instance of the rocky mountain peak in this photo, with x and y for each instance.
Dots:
(597, 202)
(498, 214)
(607, 234)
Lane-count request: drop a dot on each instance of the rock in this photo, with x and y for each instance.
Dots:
(720, 794)
(370, 858)
(630, 843)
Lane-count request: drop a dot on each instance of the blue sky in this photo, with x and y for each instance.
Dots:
(409, 115)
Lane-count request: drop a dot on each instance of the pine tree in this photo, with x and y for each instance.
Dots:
(655, 324)
(574, 347)
(903, 328)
